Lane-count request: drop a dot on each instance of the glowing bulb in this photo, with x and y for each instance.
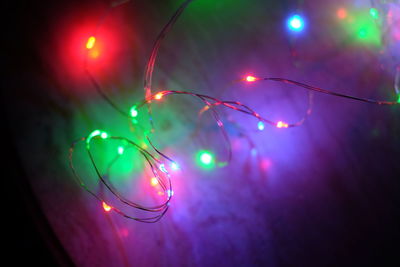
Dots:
(91, 135)
(260, 125)
(174, 166)
(170, 193)
(205, 159)
(120, 150)
(134, 112)
(106, 207)
(282, 124)
(90, 42)
(296, 23)
(398, 99)
(251, 79)
(153, 181)
(158, 96)
(104, 135)
(374, 13)
(162, 168)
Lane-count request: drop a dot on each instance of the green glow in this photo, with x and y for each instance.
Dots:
(363, 27)
(205, 159)
(134, 112)
(91, 135)
(120, 150)
(94, 133)
(398, 98)
(362, 33)
(374, 13)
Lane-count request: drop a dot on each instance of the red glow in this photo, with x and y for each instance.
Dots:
(250, 78)
(78, 42)
(106, 207)
(341, 13)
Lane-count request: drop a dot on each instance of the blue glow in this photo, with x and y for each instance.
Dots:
(295, 23)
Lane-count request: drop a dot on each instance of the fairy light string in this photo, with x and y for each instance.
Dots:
(157, 166)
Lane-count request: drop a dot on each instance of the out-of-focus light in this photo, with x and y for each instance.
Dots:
(153, 181)
(281, 124)
(205, 159)
(120, 150)
(106, 207)
(90, 42)
(133, 112)
(341, 13)
(296, 23)
(94, 134)
(398, 98)
(94, 53)
(170, 193)
(260, 126)
(250, 79)
(162, 168)
(104, 135)
(174, 166)
(374, 13)
(158, 96)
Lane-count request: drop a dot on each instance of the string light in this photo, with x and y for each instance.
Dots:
(205, 158)
(162, 178)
